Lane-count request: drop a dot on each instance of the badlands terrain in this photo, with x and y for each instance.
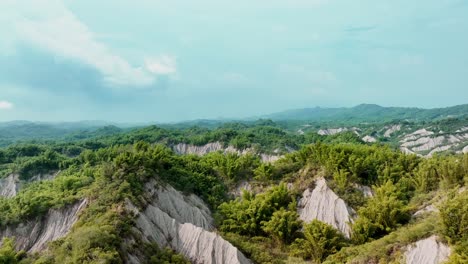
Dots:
(252, 191)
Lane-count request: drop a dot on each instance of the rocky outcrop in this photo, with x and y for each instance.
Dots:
(428, 209)
(240, 188)
(33, 235)
(406, 150)
(465, 149)
(183, 149)
(424, 143)
(164, 221)
(323, 204)
(9, 185)
(392, 130)
(184, 208)
(369, 139)
(269, 158)
(438, 149)
(331, 131)
(366, 190)
(427, 251)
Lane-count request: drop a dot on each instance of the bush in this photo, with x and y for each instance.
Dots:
(382, 214)
(283, 225)
(454, 216)
(246, 216)
(8, 255)
(320, 240)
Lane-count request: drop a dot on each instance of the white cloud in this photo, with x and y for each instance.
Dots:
(163, 65)
(5, 105)
(49, 25)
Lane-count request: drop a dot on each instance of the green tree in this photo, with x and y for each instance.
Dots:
(263, 172)
(454, 214)
(382, 213)
(320, 240)
(341, 180)
(245, 216)
(8, 255)
(283, 225)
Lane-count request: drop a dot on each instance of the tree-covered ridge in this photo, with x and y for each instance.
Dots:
(399, 181)
(263, 224)
(370, 113)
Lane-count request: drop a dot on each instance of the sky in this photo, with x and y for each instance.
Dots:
(174, 60)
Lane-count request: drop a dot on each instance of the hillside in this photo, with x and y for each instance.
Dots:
(237, 194)
(370, 113)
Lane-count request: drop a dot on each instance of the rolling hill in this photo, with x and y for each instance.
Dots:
(369, 113)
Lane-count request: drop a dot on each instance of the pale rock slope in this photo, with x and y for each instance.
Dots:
(182, 223)
(33, 235)
(369, 139)
(427, 251)
(323, 204)
(425, 142)
(465, 149)
(332, 131)
(392, 130)
(240, 188)
(427, 209)
(184, 149)
(185, 208)
(366, 190)
(10, 185)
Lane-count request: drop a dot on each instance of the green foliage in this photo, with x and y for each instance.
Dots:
(426, 177)
(341, 180)
(232, 166)
(454, 215)
(264, 172)
(382, 214)
(445, 172)
(29, 160)
(246, 215)
(283, 225)
(110, 167)
(258, 249)
(8, 254)
(379, 250)
(359, 163)
(369, 113)
(320, 240)
(168, 256)
(40, 196)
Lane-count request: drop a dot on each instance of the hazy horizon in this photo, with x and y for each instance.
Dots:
(241, 118)
(168, 61)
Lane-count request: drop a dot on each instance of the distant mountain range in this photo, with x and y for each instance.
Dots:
(370, 113)
(365, 113)
(25, 130)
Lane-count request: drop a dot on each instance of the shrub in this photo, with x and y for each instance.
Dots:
(283, 225)
(320, 240)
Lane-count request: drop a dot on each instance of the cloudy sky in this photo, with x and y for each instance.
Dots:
(169, 60)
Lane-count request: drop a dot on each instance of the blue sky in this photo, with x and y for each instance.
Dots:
(154, 60)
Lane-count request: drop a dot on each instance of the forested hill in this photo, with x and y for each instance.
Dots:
(370, 113)
(141, 196)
